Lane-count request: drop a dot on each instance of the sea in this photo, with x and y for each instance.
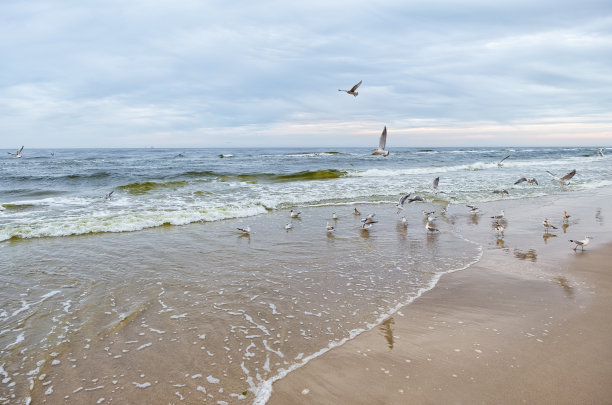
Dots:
(124, 277)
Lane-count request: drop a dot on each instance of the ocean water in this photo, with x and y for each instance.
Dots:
(153, 296)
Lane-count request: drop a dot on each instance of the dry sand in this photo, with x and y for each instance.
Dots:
(500, 332)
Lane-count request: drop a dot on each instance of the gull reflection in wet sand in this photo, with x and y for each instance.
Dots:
(564, 227)
(562, 281)
(387, 332)
(545, 236)
(529, 255)
(598, 216)
(500, 243)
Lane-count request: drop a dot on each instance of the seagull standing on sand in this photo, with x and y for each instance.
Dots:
(382, 142)
(353, 90)
(565, 216)
(581, 243)
(288, 226)
(334, 216)
(369, 219)
(245, 231)
(431, 227)
(500, 163)
(16, 154)
(473, 209)
(294, 214)
(404, 221)
(500, 216)
(499, 228)
(548, 225)
(356, 212)
(563, 180)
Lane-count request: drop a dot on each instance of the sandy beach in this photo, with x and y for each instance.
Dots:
(520, 326)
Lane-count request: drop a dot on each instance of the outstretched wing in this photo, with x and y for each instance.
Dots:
(569, 175)
(536, 182)
(504, 158)
(356, 86)
(522, 179)
(416, 198)
(383, 139)
(19, 151)
(435, 182)
(402, 199)
(550, 173)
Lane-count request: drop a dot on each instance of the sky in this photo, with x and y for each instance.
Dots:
(166, 73)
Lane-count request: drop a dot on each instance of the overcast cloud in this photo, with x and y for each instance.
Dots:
(167, 73)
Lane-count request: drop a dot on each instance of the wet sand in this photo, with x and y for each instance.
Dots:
(529, 323)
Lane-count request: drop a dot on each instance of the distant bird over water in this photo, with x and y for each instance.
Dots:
(353, 90)
(530, 181)
(434, 185)
(108, 195)
(563, 180)
(16, 154)
(501, 162)
(502, 192)
(581, 243)
(382, 142)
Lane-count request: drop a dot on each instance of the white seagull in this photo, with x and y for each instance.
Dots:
(473, 209)
(431, 227)
(530, 181)
(16, 154)
(246, 230)
(500, 216)
(334, 216)
(435, 183)
(400, 204)
(288, 226)
(108, 195)
(353, 91)
(382, 142)
(581, 243)
(369, 219)
(404, 221)
(330, 228)
(294, 214)
(601, 151)
(563, 180)
(499, 228)
(566, 217)
(547, 225)
(500, 163)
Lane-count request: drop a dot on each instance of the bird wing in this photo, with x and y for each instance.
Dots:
(569, 175)
(356, 86)
(402, 199)
(19, 151)
(536, 182)
(551, 174)
(383, 139)
(504, 158)
(415, 198)
(435, 182)
(522, 179)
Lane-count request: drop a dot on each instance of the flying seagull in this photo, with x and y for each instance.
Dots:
(500, 216)
(353, 89)
(400, 204)
(581, 243)
(435, 183)
(601, 151)
(381, 144)
(530, 181)
(565, 178)
(473, 209)
(500, 163)
(502, 192)
(16, 154)
(108, 195)
(368, 219)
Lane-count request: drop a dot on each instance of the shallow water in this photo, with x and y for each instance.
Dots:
(200, 312)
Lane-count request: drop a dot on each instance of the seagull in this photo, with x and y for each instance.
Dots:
(530, 181)
(381, 144)
(334, 216)
(353, 91)
(601, 151)
(288, 226)
(565, 178)
(473, 209)
(581, 243)
(565, 216)
(428, 213)
(430, 227)
(435, 183)
(294, 214)
(366, 226)
(330, 228)
(404, 221)
(356, 212)
(369, 219)
(499, 228)
(16, 154)
(500, 216)
(502, 192)
(400, 204)
(500, 164)
(548, 225)
(415, 198)
(246, 230)
(108, 195)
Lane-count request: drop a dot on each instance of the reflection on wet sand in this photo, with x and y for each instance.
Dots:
(563, 282)
(564, 227)
(474, 219)
(598, 216)
(500, 243)
(547, 235)
(387, 332)
(529, 255)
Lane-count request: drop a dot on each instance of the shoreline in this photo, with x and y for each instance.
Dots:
(501, 331)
